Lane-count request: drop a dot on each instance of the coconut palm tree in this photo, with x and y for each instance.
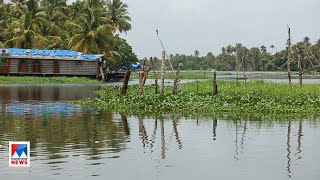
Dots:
(26, 34)
(196, 53)
(263, 49)
(119, 15)
(52, 15)
(272, 47)
(92, 33)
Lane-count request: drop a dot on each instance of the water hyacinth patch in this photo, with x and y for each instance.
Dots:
(255, 96)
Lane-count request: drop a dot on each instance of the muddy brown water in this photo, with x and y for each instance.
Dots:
(70, 142)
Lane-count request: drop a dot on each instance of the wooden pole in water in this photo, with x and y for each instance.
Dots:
(142, 78)
(299, 66)
(214, 85)
(244, 69)
(162, 72)
(176, 80)
(289, 52)
(125, 83)
(237, 62)
(155, 76)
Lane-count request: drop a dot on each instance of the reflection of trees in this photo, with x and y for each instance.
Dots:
(96, 132)
(47, 93)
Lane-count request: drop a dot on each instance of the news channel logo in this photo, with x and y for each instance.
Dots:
(19, 154)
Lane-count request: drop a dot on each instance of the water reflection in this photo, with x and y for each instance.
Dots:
(99, 138)
(289, 150)
(299, 141)
(47, 109)
(46, 93)
(43, 100)
(67, 141)
(214, 128)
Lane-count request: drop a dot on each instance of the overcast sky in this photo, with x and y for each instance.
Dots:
(208, 25)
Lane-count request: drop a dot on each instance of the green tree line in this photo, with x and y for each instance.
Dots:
(88, 26)
(251, 59)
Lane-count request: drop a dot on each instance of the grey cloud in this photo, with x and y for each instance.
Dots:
(207, 25)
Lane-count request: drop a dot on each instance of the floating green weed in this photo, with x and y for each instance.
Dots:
(255, 96)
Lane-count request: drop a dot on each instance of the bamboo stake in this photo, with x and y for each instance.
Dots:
(155, 76)
(142, 78)
(289, 52)
(214, 85)
(176, 80)
(299, 67)
(162, 72)
(237, 62)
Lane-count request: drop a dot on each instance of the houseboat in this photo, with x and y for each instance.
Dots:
(35, 62)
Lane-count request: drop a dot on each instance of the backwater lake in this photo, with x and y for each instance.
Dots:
(71, 142)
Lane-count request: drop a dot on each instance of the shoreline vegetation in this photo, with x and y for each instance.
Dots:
(46, 80)
(196, 99)
(205, 74)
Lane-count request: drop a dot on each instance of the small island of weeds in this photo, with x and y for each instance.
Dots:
(196, 98)
(46, 80)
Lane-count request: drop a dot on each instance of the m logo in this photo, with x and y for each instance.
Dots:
(19, 154)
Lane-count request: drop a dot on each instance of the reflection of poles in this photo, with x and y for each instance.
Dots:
(288, 150)
(153, 137)
(143, 133)
(236, 143)
(214, 128)
(176, 133)
(243, 134)
(125, 124)
(299, 139)
(163, 142)
(214, 84)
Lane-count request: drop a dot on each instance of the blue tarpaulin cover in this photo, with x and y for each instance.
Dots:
(56, 54)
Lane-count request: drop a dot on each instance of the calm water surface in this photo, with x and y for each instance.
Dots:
(69, 142)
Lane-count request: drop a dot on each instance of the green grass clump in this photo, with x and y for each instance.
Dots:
(196, 98)
(46, 80)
